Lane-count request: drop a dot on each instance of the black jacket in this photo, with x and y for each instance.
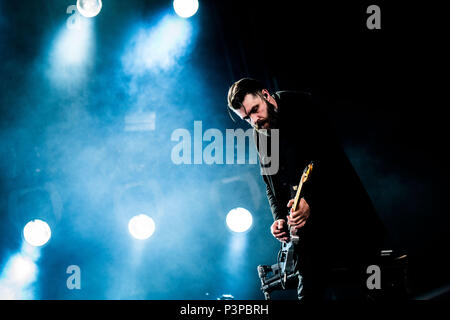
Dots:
(343, 223)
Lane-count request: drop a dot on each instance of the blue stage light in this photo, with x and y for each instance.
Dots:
(185, 8)
(19, 273)
(71, 53)
(158, 47)
(141, 227)
(239, 220)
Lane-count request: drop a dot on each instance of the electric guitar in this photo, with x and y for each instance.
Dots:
(286, 255)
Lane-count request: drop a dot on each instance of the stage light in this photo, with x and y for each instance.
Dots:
(141, 227)
(239, 220)
(22, 270)
(17, 277)
(71, 53)
(18, 274)
(37, 233)
(89, 8)
(158, 47)
(185, 8)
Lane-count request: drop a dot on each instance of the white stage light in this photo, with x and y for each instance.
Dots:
(16, 278)
(185, 8)
(22, 270)
(37, 233)
(89, 8)
(141, 226)
(239, 220)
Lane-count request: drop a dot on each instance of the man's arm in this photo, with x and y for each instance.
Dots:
(279, 227)
(277, 210)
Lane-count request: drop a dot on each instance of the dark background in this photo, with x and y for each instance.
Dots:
(369, 81)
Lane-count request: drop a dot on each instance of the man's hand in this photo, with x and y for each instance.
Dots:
(279, 230)
(297, 219)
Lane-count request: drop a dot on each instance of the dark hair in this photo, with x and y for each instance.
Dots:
(240, 89)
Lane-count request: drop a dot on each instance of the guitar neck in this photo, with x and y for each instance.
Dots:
(297, 195)
(304, 177)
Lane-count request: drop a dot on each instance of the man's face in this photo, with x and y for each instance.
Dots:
(257, 111)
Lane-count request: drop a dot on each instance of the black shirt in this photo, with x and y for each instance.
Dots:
(343, 223)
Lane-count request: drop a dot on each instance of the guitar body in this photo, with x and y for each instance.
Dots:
(283, 274)
(287, 255)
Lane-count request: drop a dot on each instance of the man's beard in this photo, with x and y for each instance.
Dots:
(272, 119)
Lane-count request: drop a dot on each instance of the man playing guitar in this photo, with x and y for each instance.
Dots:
(335, 217)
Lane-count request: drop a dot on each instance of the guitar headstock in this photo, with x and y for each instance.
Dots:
(304, 178)
(307, 172)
